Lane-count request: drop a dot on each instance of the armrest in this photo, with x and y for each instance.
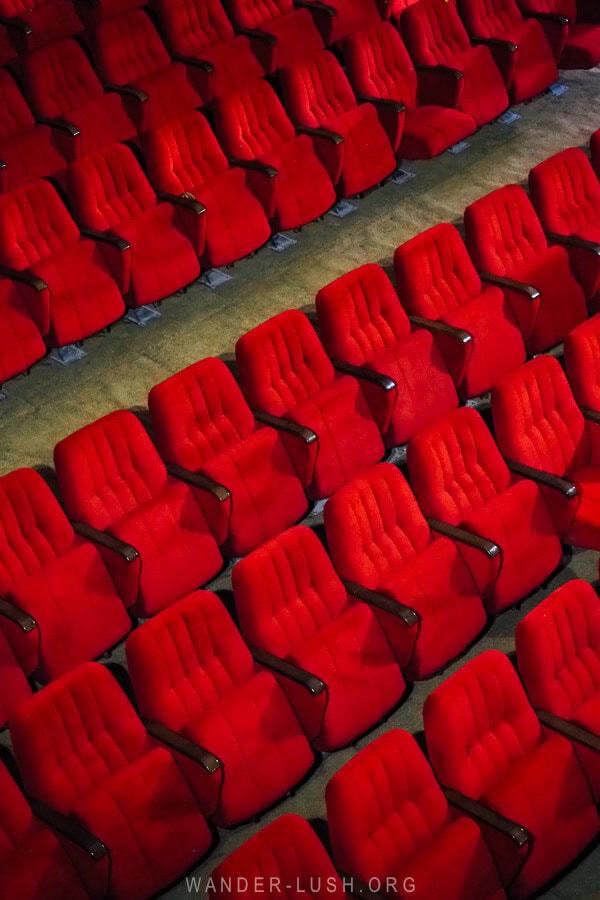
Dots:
(289, 670)
(127, 90)
(192, 61)
(195, 479)
(548, 16)
(562, 485)
(384, 102)
(17, 615)
(510, 284)
(383, 381)
(408, 615)
(496, 42)
(592, 415)
(476, 810)
(441, 69)
(299, 431)
(571, 240)
(70, 828)
(254, 165)
(24, 277)
(324, 133)
(106, 237)
(463, 536)
(433, 325)
(570, 730)
(104, 539)
(209, 762)
(320, 7)
(259, 35)
(60, 124)
(16, 23)
(187, 201)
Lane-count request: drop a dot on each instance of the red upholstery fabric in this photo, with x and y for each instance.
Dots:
(295, 30)
(112, 477)
(378, 537)
(458, 475)
(595, 150)
(290, 602)
(537, 422)
(82, 749)
(317, 94)
(578, 42)
(286, 854)
(558, 652)
(350, 16)
(582, 362)
(252, 124)
(395, 9)
(21, 344)
(97, 12)
(15, 687)
(201, 421)
(436, 279)
(48, 20)
(388, 819)
(61, 83)
(42, 238)
(434, 36)
(284, 370)
(191, 671)
(183, 156)
(109, 192)
(484, 739)
(505, 237)
(129, 51)
(362, 323)
(378, 65)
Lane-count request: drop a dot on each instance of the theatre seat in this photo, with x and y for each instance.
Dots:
(506, 242)
(380, 69)
(184, 158)
(82, 749)
(21, 344)
(317, 96)
(459, 477)
(485, 741)
(538, 424)
(201, 421)
(437, 281)
(15, 687)
(582, 363)
(284, 171)
(437, 40)
(329, 430)
(329, 651)
(280, 33)
(142, 237)
(576, 43)
(379, 538)
(193, 674)
(33, 23)
(388, 818)
(152, 526)
(402, 372)
(394, 10)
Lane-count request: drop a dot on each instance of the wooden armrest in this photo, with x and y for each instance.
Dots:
(518, 834)
(300, 431)
(209, 762)
(548, 16)
(511, 284)
(193, 61)
(24, 277)
(17, 615)
(463, 536)
(254, 165)
(592, 415)
(496, 42)
(571, 240)
(290, 670)
(127, 90)
(565, 487)
(570, 730)
(195, 479)
(104, 539)
(433, 325)
(441, 70)
(259, 35)
(384, 102)
(318, 5)
(70, 828)
(185, 200)
(383, 381)
(106, 237)
(16, 23)
(59, 123)
(326, 133)
(408, 615)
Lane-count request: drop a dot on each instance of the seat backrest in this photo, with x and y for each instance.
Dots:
(565, 191)
(108, 187)
(582, 362)
(384, 807)
(183, 154)
(434, 272)
(360, 315)
(316, 90)
(34, 224)
(190, 26)
(199, 413)
(252, 121)
(479, 724)
(489, 18)
(378, 65)
(15, 815)
(15, 689)
(433, 32)
(374, 526)
(15, 115)
(74, 735)
(183, 661)
(282, 362)
(107, 469)
(536, 418)
(12, 8)
(254, 13)
(455, 467)
(128, 47)
(566, 8)
(59, 78)
(503, 230)
(286, 591)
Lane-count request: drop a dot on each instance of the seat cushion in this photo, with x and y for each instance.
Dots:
(582, 50)
(304, 189)
(39, 867)
(535, 68)
(584, 530)
(31, 155)
(102, 122)
(483, 95)
(171, 94)
(367, 157)
(429, 130)
(235, 65)
(588, 716)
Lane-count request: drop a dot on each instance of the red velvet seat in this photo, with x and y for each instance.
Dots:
(280, 33)
(192, 672)
(558, 653)
(34, 23)
(538, 423)
(362, 323)
(110, 193)
(15, 687)
(437, 280)
(435, 36)
(379, 538)
(284, 171)
(184, 157)
(73, 294)
(343, 675)
(317, 95)
(345, 17)
(389, 819)
(61, 84)
(82, 749)
(93, 13)
(129, 53)
(113, 479)
(459, 476)
(484, 740)
(519, 45)
(201, 421)
(576, 43)
(394, 10)
(379, 66)
(21, 344)
(505, 238)
(285, 372)
(582, 363)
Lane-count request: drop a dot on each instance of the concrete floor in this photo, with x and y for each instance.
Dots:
(121, 367)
